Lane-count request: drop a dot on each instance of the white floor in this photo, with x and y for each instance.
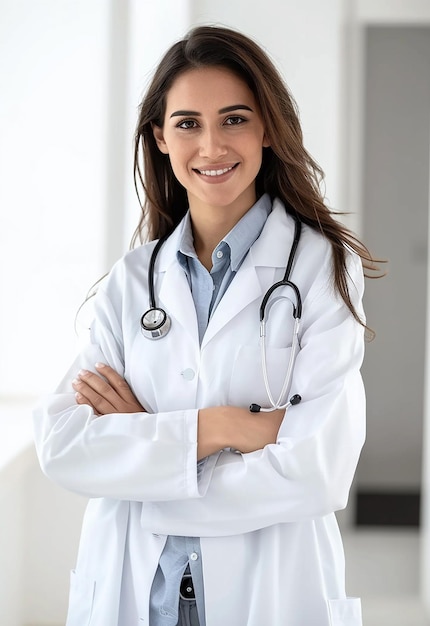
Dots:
(383, 568)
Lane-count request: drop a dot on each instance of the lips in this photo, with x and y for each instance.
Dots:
(216, 172)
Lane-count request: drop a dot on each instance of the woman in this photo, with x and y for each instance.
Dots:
(203, 511)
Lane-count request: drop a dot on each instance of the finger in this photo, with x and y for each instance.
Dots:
(81, 399)
(130, 403)
(85, 394)
(98, 384)
(116, 381)
(104, 396)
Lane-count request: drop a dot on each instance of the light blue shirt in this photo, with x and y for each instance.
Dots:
(207, 289)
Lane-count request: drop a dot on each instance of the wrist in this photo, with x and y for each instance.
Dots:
(212, 430)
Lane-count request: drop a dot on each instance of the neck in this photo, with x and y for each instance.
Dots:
(206, 242)
(211, 224)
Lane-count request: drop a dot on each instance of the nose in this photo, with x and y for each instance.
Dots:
(212, 144)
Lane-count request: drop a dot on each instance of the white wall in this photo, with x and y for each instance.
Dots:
(38, 543)
(54, 140)
(49, 545)
(12, 510)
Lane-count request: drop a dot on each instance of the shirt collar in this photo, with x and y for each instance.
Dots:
(239, 239)
(186, 240)
(247, 230)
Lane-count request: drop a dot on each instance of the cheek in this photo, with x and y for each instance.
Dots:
(178, 166)
(179, 156)
(254, 147)
(257, 156)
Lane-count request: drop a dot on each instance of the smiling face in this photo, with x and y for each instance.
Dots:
(214, 135)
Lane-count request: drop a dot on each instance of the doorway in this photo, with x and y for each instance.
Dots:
(395, 187)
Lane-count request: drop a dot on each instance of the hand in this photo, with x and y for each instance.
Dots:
(233, 427)
(254, 431)
(110, 394)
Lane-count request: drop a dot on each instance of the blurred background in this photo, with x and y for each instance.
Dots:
(71, 76)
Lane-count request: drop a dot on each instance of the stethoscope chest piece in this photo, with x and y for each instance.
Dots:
(155, 323)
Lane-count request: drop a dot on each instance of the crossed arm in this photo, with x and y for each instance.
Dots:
(218, 427)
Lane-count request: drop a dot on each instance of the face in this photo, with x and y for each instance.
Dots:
(214, 135)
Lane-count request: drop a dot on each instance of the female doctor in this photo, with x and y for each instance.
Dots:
(205, 510)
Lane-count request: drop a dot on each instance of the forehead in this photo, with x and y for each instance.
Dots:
(209, 88)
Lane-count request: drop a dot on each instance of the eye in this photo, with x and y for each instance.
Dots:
(187, 124)
(235, 120)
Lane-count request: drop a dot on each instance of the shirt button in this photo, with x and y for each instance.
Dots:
(188, 374)
(219, 254)
(194, 556)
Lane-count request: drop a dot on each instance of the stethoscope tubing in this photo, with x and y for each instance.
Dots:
(287, 380)
(151, 270)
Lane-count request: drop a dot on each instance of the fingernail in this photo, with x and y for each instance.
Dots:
(83, 373)
(78, 396)
(100, 366)
(75, 382)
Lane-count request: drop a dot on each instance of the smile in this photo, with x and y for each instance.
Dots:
(219, 172)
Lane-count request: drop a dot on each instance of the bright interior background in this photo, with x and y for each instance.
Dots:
(71, 76)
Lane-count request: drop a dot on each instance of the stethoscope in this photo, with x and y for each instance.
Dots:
(155, 323)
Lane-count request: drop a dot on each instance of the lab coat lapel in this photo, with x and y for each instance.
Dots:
(244, 289)
(174, 292)
(176, 299)
(258, 271)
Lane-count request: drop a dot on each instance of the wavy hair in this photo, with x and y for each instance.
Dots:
(288, 172)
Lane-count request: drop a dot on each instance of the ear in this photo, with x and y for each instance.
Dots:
(266, 142)
(159, 138)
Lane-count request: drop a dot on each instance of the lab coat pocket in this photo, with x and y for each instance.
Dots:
(345, 612)
(81, 599)
(247, 380)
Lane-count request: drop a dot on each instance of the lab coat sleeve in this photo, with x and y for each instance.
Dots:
(308, 472)
(139, 456)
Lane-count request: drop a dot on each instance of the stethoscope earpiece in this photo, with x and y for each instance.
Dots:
(256, 408)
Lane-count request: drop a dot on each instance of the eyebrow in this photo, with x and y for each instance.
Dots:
(234, 107)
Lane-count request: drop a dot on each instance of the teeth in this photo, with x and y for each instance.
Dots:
(215, 172)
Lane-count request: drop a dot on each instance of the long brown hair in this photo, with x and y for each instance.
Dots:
(288, 172)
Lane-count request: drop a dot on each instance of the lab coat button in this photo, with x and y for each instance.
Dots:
(188, 374)
(194, 556)
(219, 254)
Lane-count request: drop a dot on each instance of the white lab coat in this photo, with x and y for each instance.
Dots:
(271, 549)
